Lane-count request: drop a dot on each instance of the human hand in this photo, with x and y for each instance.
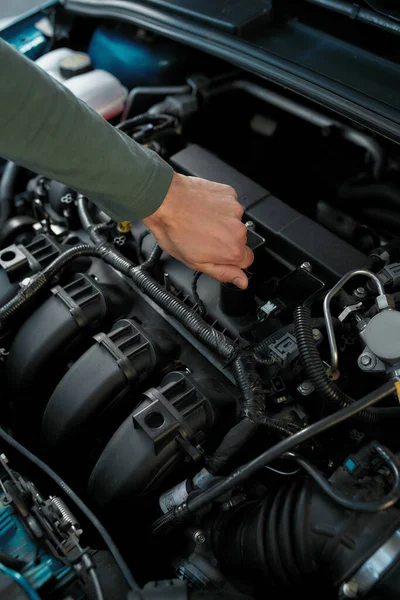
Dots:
(199, 223)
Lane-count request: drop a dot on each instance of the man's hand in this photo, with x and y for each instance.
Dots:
(199, 223)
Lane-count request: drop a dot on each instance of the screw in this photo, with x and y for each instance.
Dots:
(199, 537)
(250, 225)
(360, 293)
(350, 589)
(365, 360)
(306, 266)
(317, 335)
(305, 388)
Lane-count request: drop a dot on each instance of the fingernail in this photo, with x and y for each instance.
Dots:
(240, 283)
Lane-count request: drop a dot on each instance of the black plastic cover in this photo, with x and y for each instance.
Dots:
(297, 238)
(149, 442)
(288, 233)
(98, 379)
(43, 344)
(198, 162)
(233, 16)
(19, 260)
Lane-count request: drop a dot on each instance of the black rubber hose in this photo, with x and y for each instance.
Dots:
(7, 192)
(153, 259)
(249, 384)
(40, 280)
(367, 507)
(316, 370)
(242, 474)
(361, 196)
(10, 441)
(232, 443)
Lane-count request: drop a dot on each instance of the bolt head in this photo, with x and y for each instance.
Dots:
(306, 266)
(305, 388)
(360, 293)
(365, 360)
(350, 589)
(199, 537)
(317, 335)
(250, 225)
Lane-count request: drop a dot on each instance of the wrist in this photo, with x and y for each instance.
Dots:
(164, 211)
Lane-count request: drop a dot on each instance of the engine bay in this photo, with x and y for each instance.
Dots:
(235, 443)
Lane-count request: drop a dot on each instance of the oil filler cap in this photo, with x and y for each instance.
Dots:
(74, 64)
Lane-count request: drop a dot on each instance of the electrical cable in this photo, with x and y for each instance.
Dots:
(367, 507)
(317, 373)
(153, 258)
(78, 502)
(142, 236)
(96, 584)
(21, 581)
(40, 280)
(391, 14)
(184, 511)
(196, 297)
(7, 193)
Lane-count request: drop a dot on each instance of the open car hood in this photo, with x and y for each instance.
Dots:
(289, 49)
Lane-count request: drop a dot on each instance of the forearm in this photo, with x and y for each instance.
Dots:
(44, 127)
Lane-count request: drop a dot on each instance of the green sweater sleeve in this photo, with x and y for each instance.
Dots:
(44, 127)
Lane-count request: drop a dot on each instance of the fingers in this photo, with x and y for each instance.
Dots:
(248, 258)
(226, 274)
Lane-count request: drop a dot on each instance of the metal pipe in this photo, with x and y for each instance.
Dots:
(322, 121)
(327, 309)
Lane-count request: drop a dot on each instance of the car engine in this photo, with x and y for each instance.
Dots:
(235, 443)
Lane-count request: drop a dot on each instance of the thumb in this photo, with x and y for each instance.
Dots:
(227, 274)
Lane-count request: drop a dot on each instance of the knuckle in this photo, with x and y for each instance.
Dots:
(230, 190)
(242, 233)
(239, 210)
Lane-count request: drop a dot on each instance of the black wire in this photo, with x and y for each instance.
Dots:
(196, 297)
(78, 502)
(381, 11)
(243, 473)
(96, 584)
(142, 236)
(367, 507)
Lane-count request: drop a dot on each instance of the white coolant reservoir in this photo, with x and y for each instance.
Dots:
(99, 89)
(51, 62)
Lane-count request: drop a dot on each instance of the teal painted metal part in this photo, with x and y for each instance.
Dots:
(42, 569)
(23, 34)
